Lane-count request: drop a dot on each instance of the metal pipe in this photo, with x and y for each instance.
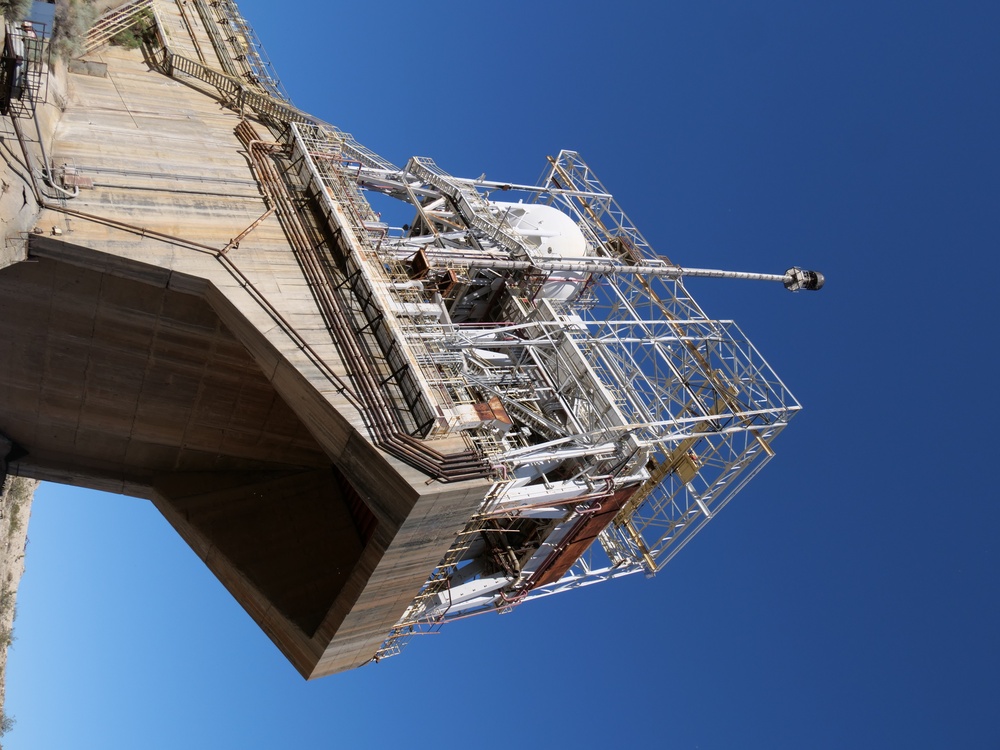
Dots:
(513, 511)
(377, 411)
(41, 143)
(303, 246)
(286, 326)
(609, 267)
(27, 160)
(342, 388)
(793, 279)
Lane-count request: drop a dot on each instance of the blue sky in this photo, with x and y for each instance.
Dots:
(847, 598)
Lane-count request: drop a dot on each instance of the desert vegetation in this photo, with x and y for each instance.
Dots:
(15, 10)
(15, 507)
(143, 30)
(72, 22)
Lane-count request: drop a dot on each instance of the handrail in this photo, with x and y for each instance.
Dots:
(236, 93)
(113, 22)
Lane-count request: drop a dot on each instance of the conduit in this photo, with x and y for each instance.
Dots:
(380, 415)
(369, 398)
(341, 387)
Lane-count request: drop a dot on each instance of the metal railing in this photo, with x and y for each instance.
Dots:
(115, 21)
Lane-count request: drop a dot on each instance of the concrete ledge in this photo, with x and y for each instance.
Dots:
(88, 68)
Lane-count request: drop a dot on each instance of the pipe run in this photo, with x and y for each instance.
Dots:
(793, 279)
(380, 415)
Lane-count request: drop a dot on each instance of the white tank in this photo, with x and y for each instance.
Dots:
(549, 234)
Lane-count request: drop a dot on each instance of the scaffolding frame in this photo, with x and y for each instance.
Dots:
(24, 68)
(657, 394)
(619, 399)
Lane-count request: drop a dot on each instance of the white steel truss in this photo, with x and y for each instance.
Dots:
(533, 323)
(617, 416)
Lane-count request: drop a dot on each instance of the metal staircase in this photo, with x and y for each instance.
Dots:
(468, 202)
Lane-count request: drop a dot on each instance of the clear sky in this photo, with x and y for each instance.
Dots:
(847, 598)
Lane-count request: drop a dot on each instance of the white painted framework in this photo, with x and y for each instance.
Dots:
(610, 376)
(533, 322)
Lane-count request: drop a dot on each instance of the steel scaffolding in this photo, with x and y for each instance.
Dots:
(534, 326)
(620, 385)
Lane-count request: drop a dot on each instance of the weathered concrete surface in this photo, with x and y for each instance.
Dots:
(142, 363)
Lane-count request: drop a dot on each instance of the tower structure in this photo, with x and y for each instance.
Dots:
(364, 430)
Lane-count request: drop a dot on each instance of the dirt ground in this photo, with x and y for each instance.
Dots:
(15, 509)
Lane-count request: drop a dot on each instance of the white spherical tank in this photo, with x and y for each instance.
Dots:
(549, 235)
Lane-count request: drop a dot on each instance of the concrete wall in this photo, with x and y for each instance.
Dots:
(145, 362)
